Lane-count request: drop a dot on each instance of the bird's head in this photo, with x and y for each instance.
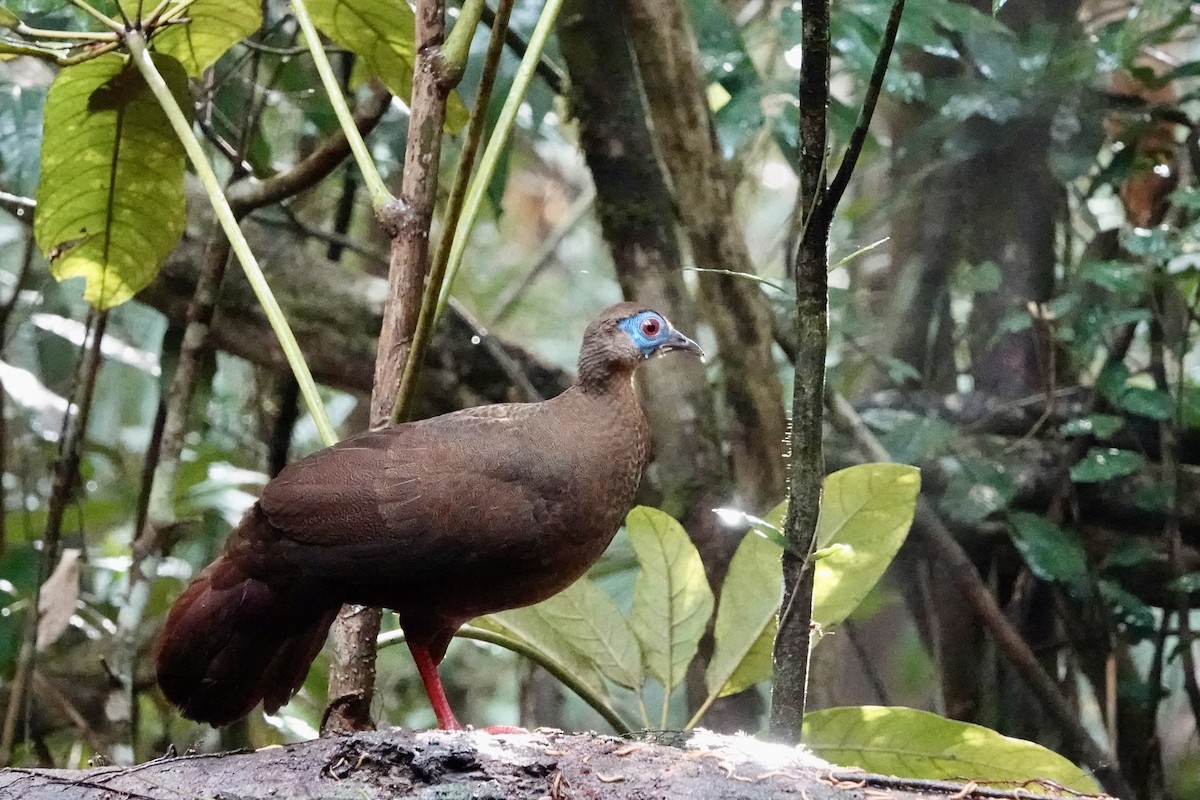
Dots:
(624, 336)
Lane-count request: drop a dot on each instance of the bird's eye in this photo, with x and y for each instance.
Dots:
(651, 326)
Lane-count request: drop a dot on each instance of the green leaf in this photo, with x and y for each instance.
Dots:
(868, 508)
(1186, 583)
(919, 438)
(1128, 609)
(110, 199)
(1101, 426)
(381, 33)
(8, 20)
(918, 744)
(672, 602)
(978, 278)
(1052, 553)
(750, 599)
(1150, 403)
(531, 627)
(1119, 277)
(589, 620)
(214, 27)
(977, 488)
(1106, 463)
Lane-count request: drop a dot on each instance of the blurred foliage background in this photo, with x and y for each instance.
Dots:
(1013, 309)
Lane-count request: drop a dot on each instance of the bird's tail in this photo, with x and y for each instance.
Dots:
(231, 641)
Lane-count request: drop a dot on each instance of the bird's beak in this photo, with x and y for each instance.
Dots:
(680, 342)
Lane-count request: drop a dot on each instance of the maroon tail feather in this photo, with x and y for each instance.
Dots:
(231, 641)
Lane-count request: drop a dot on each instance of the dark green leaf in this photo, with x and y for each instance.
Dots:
(1128, 609)
(1051, 553)
(977, 488)
(1119, 277)
(1132, 554)
(1186, 583)
(1102, 426)
(979, 278)
(919, 438)
(1105, 463)
(1151, 403)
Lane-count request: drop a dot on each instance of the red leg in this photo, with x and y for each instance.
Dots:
(427, 668)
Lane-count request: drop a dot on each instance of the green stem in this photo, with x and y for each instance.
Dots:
(380, 196)
(136, 43)
(151, 19)
(536, 656)
(497, 143)
(86, 36)
(453, 214)
(102, 18)
(458, 43)
(87, 55)
(173, 14)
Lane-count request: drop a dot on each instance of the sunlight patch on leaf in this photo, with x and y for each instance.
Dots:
(214, 26)
(110, 200)
(918, 744)
(868, 509)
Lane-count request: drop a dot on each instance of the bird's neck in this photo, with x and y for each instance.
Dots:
(606, 380)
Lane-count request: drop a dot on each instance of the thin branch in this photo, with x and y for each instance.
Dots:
(497, 143)
(66, 476)
(287, 340)
(546, 69)
(541, 262)
(809, 267)
(453, 213)
(407, 220)
(20, 207)
(250, 194)
(376, 188)
(841, 179)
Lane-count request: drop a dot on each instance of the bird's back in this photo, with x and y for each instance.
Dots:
(466, 513)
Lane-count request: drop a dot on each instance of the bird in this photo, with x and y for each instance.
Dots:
(440, 520)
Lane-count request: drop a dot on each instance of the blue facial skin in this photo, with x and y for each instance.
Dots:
(635, 326)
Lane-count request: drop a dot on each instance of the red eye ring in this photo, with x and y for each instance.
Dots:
(651, 326)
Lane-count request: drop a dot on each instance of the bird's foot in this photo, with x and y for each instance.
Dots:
(496, 730)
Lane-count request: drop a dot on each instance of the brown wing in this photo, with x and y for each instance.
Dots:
(404, 510)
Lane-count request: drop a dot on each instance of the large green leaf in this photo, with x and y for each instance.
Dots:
(868, 510)
(529, 626)
(671, 598)
(110, 199)
(214, 27)
(381, 32)
(750, 599)
(589, 620)
(918, 744)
